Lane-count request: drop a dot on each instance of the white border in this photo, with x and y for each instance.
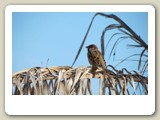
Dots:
(79, 105)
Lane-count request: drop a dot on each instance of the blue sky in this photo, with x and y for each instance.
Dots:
(58, 35)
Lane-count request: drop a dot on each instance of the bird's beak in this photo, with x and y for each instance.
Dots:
(87, 46)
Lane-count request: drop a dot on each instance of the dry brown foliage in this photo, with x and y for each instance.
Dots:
(64, 80)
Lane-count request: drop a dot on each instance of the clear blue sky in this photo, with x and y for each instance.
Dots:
(57, 36)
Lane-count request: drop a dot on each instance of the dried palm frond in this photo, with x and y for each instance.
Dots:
(64, 80)
(125, 30)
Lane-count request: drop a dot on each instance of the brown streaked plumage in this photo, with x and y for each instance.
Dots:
(95, 57)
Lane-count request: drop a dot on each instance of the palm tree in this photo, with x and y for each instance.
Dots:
(66, 80)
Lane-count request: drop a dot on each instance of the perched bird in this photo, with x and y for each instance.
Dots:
(95, 57)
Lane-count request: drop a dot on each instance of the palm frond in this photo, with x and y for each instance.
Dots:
(64, 80)
(123, 28)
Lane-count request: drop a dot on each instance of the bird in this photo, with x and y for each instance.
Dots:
(95, 57)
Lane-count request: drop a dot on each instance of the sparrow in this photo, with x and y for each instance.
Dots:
(95, 57)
